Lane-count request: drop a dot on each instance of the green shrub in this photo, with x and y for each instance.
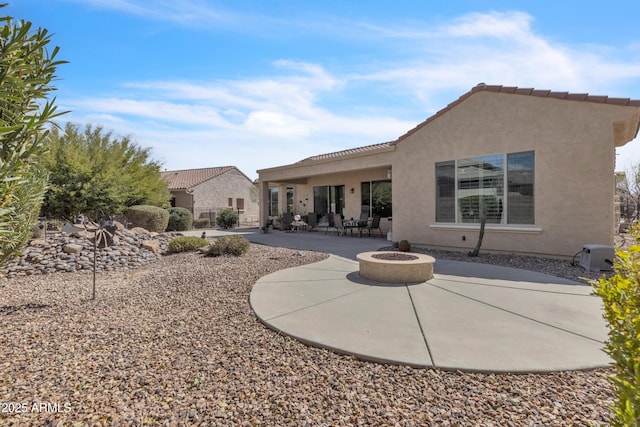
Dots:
(149, 217)
(227, 218)
(186, 244)
(621, 296)
(201, 223)
(229, 245)
(180, 219)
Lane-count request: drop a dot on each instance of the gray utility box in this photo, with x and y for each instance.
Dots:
(597, 257)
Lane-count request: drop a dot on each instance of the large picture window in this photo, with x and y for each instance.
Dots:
(500, 185)
(376, 198)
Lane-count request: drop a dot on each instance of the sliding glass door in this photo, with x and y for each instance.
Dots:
(328, 199)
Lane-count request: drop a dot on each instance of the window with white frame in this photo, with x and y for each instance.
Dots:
(273, 202)
(290, 204)
(328, 199)
(499, 185)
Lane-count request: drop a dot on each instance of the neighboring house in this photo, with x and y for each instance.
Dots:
(207, 191)
(540, 162)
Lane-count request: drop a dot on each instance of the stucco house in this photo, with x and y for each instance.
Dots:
(540, 162)
(207, 191)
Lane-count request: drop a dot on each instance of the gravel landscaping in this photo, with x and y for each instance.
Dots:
(175, 342)
(568, 269)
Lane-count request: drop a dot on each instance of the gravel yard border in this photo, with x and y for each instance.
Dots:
(176, 343)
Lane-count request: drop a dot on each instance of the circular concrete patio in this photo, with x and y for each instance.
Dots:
(470, 316)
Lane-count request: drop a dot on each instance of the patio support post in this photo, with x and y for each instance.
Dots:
(264, 203)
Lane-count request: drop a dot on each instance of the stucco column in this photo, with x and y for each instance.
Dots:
(264, 203)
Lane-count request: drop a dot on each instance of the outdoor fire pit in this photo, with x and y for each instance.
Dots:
(395, 267)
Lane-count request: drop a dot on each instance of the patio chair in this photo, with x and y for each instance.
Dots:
(375, 225)
(330, 222)
(312, 221)
(287, 219)
(339, 225)
(323, 222)
(363, 222)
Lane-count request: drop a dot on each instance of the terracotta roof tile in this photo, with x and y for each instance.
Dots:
(580, 97)
(540, 92)
(596, 98)
(618, 101)
(189, 178)
(524, 91)
(347, 152)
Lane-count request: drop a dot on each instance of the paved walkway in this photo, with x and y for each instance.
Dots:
(345, 246)
(470, 316)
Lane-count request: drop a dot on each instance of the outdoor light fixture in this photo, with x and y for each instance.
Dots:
(351, 191)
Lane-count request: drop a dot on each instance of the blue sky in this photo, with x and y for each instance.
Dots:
(261, 83)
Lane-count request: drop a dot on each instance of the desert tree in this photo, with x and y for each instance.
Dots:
(93, 173)
(628, 192)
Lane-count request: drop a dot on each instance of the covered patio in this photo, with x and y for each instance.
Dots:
(355, 184)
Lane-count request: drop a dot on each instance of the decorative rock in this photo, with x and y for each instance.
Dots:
(72, 248)
(83, 234)
(151, 245)
(64, 253)
(139, 230)
(69, 228)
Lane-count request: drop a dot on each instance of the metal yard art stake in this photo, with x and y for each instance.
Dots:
(297, 219)
(103, 237)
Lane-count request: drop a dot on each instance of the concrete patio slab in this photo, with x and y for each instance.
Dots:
(548, 304)
(488, 318)
(465, 334)
(359, 325)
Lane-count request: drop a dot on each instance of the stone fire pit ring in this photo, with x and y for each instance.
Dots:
(395, 267)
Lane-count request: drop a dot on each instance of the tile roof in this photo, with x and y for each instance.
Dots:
(482, 87)
(189, 178)
(357, 150)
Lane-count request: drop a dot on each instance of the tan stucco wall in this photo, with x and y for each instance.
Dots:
(215, 193)
(574, 164)
(182, 199)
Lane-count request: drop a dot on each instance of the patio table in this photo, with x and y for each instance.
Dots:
(350, 225)
(297, 225)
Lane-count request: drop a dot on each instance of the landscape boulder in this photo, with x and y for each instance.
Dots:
(139, 230)
(151, 245)
(72, 248)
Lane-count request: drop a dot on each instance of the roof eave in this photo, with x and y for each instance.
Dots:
(481, 87)
(309, 162)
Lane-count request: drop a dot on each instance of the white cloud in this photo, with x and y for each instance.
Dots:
(496, 48)
(493, 25)
(181, 12)
(276, 124)
(284, 116)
